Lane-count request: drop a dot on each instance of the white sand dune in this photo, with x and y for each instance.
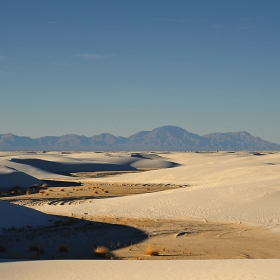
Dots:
(127, 270)
(238, 187)
(58, 165)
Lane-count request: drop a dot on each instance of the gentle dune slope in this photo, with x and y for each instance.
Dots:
(12, 215)
(229, 187)
(212, 269)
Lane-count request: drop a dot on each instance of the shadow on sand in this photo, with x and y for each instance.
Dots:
(67, 238)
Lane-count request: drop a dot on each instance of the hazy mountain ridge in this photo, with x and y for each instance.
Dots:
(162, 138)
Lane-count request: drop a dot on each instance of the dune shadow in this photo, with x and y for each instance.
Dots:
(68, 168)
(55, 183)
(68, 238)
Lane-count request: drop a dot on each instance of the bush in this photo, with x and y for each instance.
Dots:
(152, 251)
(63, 248)
(2, 249)
(102, 252)
(36, 247)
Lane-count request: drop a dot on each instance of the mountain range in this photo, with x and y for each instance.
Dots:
(165, 138)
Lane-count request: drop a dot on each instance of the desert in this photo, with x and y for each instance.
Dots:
(188, 210)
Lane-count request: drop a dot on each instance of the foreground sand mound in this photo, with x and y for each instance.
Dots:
(12, 215)
(210, 269)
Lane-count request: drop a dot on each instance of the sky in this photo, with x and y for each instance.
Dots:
(91, 66)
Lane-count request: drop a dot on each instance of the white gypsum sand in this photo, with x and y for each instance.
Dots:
(237, 187)
(132, 270)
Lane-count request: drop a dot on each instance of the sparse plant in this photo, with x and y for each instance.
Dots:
(28, 192)
(102, 252)
(4, 194)
(63, 248)
(2, 248)
(36, 247)
(152, 251)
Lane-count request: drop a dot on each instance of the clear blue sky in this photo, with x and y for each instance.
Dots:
(93, 66)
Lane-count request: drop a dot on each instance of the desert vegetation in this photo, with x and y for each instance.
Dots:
(102, 252)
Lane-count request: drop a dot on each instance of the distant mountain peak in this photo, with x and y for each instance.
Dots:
(169, 137)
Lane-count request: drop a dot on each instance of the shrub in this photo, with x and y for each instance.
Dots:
(63, 248)
(4, 194)
(2, 248)
(102, 252)
(152, 251)
(36, 247)
(28, 191)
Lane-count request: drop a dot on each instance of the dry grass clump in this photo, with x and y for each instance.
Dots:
(36, 247)
(152, 251)
(63, 248)
(41, 191)
(2, 248)
(61, 189)
(96, 192)
(43, 186)
(28, 191)
(102, 252)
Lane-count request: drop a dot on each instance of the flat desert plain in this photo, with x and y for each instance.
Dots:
(197, 215)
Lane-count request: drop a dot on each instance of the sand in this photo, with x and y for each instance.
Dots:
(218, 270)
(202, 207)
